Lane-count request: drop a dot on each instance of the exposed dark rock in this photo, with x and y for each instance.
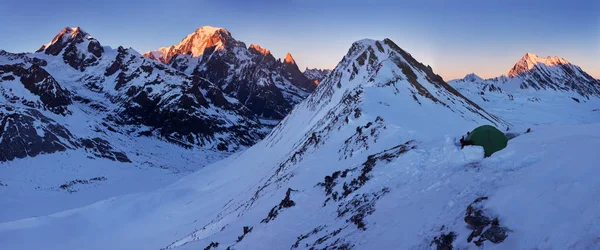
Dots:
(338, 243)
(67, 42)
(69, 186)
(348, 188)
(496, 234)
(360, 206)
(444, 241)
(95, 48)
(78, 59)
(41, 83)
(101, 148)
(179, 111)
(8, 78)
(477, 220)
(247, 230)
(117, 63)
(285, 203)
(212, 245)
(26, 132)
(361, 139)
(291, 72)
(372, 160)
(65, 37)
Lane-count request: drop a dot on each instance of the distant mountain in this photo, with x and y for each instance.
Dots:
(267, 86)
(553, 73)
(531, 61)
(532, 73)
(316, 75)
(542, 90)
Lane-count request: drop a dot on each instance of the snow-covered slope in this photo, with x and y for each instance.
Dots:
(80, 122)
(537, 91)
(267, 86)
(368, 161)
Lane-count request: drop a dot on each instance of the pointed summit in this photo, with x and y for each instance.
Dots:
(209, 30)
(385, 67)
(472, 77)
(530, 60)
(64, 37)
(530, 56)
(289, 59)
(196, 43)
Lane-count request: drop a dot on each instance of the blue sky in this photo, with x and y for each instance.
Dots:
(454, 37)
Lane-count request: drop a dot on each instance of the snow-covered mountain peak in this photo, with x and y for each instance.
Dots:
(209, 30)
(381, 70)
(69, 33)
(530, 60)
(63, 38)
(269, 87)
(551, 73)
(259, 49)
(472, 77)
(205, 37)
(196, 43)
(289, 59)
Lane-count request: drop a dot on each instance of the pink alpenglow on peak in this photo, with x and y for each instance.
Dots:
(66, 34)
(260, 49)
(196, 43)
(289, 59)
(530, 60)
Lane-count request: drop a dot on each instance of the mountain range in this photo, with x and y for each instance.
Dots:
(536, 91)
(210, 144)
(269, 87)
(532, 73)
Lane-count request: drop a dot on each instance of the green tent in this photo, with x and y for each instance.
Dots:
(489, 137)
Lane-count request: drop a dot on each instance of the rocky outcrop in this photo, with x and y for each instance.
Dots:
(483, 225)
(287, 202)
